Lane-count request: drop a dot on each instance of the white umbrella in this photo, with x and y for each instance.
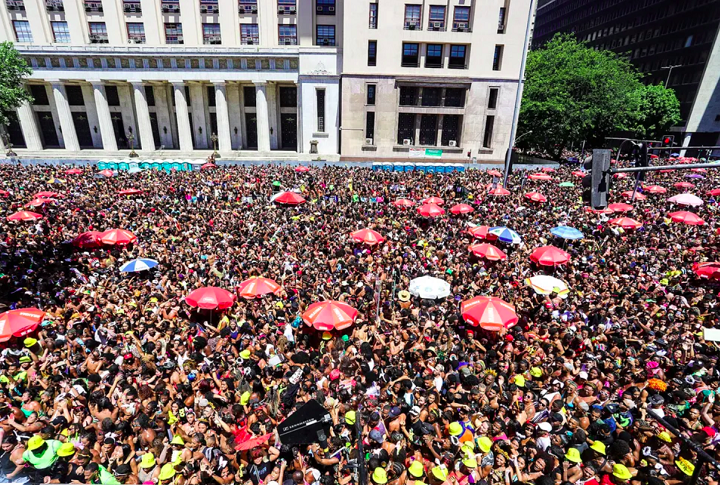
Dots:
(429, 288)
(686, 199)
(544, 285)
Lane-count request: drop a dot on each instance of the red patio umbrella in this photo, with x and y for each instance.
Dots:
(74, 171)
(88, 240)
(430, 210)
(244, 440)
(367, 236)
(20, 322)
(289, 198)
(117, 237)
(667, 171)
(620, 207)
(578, 173)
(130, 192)
(24, 216)
(461, 209)
(403, 203)
(549, 256)
(654, 189)
(547, 169)
(487, 251)
(256, 287)
(39, 202)
(208, 166)
(4, 193)
(683, 185)
(210, 298)
(626, 223)
(479, 232)
(499, 191)
(652, 155)
(46, 195)
(638, 196)
(302, 168)
(107, 173)
(539, 176)
(606, 210)
(536, 197)
(622, 175)
(689, 218)
(710, 270)
(329, 315)
(489, 312)
(433, 200)
(714, 192)
(494, 173)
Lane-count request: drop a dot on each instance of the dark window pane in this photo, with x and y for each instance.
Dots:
(211, 95)
(150, 95)
(320, 93)
(428, 130)
(434, 55)
(455, 97)
(370, 125)
(408, 96)
(371, 94)
(431, 96)
(410, 55)
(492, 99)
(74, 95)
(406, 128)
(249, 95)
(39, 93)
(111, 93)
(372, 52)
(457, 57)
(489, 125)
(288, 96)
(450, 130)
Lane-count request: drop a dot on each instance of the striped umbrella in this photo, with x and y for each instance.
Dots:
(505, 235)
(139, 264)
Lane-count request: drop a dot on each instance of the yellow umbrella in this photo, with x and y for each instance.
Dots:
(544, 285)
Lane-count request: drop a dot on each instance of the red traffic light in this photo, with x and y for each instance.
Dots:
(666, 140)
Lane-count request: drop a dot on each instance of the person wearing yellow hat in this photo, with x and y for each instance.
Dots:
(460, 432)
(599, 447)
(148, 471)
(416, 470)
(326, 336)
(167, 473)
(245, 354)
(621, 473)
(41, 453)
(178, 449)
(536, 372)
(350, 418)
(685, 466)
(665, 436)
(379, 476)
(468, 472)
(438, 475)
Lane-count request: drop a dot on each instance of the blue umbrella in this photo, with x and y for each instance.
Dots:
(674, 154)
(566, 232)
(138, 265)
(505, 235)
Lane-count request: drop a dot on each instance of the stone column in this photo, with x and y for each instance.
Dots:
(29, 125)
(104, 117)
(235, 114)
(65, 116)
(183, 117)
(163, 115)
(263, 122)
(272, 101)
(147, 142)
(92, 115)
(223, 117)
(197, 101)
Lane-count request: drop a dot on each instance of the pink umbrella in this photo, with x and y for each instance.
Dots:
(118, 237)
(578, 173)
(499, 191)
(549, 256)
(686, 199)
(433, 200)
(302, 168)
(256, 287)
(479, 232)
(461, 209)
(20, 322)
(430, 210)
(547, 169)
(620, 207)
(106, 173)
(367, 236)
(329, 315)
(638, 196)
(626, 223)
(74, 171)
(683, 185)
(487, 251)
(494, 173)
(536, 197)
(539, 176)
(403, 203)
(210, 298)
(46, 195)
(622, 175)
(654, 189)
(39, 202)
(289, 198)
(24, 216)
(689, 218)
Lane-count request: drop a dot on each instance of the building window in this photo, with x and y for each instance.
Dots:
(371, 90)
(150, 96)
(247, 6)
(457, 57)
(408, 95)
(370, 127)
(437, 17)
(433, 58)
(492, 98)
(74, 95)
(132, 6)
(22, 31)
(93, 6)
(325, 35)
(98, 33)
(249, 34)
(52, 5)
(112, 96)
(450, 130)
(689, 40)
(209, 6)
(173, 34)
(406, 129)
(454, 97)
(412, 17)
(373, 15)
(211, 96)
(39, 94)
(320, 93)
(501, 21)
(410, 55)
(170, 6)
(288, 34)
(489, 124)
(325, 7)
(136, 32)
(428, 130)
(249, 96)
(461, 19)
(15, 5)
(497, 58)
(61, 32)
(288, 97)
(211, 34)
(372, 52)
(431, 97)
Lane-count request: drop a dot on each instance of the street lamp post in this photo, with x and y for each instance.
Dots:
(214, 139)
(670, 68)
(9, 145)
(131, 140)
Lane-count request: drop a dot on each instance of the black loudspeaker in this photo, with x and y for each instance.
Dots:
(309, 424)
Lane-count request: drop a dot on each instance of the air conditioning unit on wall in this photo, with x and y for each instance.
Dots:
(407, 142)
(452, 143)
(368, 141)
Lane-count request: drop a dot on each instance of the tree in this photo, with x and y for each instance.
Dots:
(13, 69)
(573, 93)
(658, 110)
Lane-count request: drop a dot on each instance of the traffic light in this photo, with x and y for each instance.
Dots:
(640, 154)
(668, 140)
(597, 184)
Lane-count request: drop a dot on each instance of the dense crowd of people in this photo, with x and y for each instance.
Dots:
(124, 382)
